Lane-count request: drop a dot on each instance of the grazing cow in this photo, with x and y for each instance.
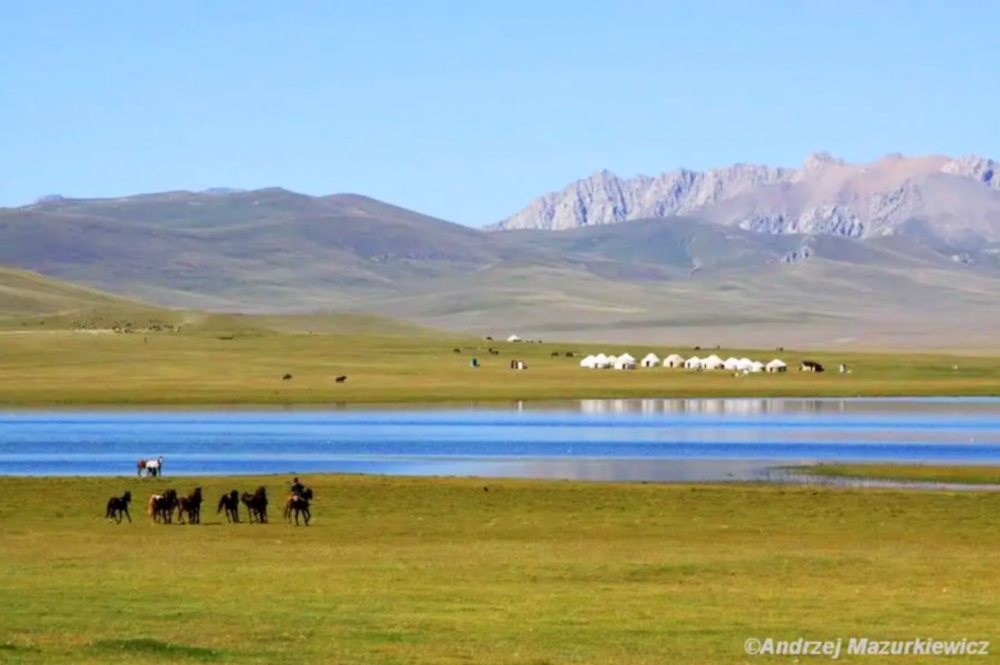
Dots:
(456, 350)
(341, 379)
(286, 377)
(555, 354)
(810, 366)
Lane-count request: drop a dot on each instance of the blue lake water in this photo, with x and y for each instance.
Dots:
(651, 440)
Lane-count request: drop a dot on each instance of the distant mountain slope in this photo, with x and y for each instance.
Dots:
(951, 200)
(24, 293)
(245, 250)
(679, 278)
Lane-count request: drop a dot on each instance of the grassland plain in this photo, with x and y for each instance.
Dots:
(968, 475)
(416, 570)
(230, 359)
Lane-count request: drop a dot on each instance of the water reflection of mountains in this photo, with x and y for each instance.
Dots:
(759, 406)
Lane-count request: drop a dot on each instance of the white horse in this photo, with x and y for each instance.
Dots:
(153, 467)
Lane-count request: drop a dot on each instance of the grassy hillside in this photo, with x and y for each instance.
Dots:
(401, 570)
(273, 251)
(26, 294)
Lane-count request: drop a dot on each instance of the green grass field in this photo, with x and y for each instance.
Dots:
(969, 475)
(398, 570)
(223, 359)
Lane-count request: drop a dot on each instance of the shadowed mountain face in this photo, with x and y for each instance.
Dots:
(671, 280)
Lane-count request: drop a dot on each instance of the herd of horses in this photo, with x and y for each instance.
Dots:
(161, 507)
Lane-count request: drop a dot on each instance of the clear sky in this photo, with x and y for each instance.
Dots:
(467, 110)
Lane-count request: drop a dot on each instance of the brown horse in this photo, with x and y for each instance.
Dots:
(256, 504)
(118, 506)
(161, 506)
(231, 503)
(190, 505)
(299, 504)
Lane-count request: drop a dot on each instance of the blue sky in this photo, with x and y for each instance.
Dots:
(468, 110)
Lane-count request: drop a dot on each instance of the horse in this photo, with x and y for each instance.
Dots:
(153, 467)
(231, 502)
(299, 503)
(256, 504)
(341, 379)
(118, 506)
(191, 505)
(161, 506)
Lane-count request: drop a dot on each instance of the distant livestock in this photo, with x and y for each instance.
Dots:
(286, 377)
(341, 379)
(810, 366)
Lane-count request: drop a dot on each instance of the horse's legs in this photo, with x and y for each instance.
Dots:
(126, 514)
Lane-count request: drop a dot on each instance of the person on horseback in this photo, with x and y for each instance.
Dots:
(297, 488)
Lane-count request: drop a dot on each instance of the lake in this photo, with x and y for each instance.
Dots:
(638, 440)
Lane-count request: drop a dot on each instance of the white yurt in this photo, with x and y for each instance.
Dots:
(601, 361)
(694, 362)
(756, 366)
(624, 361)
(651, 360)
(513, 338)
(776, 365)
(744, 364)
(590, 362)
(712, 362)
(732, 364)
(673, 360)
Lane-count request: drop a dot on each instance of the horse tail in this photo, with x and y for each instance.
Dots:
(222, 503)
(150, 505)
(107, 513)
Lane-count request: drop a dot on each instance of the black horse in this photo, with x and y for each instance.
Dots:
(190, 505)
(118, 506)
(256, 504)
(231, 503)
(299, 504)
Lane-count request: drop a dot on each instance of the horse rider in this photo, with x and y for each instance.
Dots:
(297, 488)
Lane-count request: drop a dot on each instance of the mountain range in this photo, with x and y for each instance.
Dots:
(947, 200)
(901, 252)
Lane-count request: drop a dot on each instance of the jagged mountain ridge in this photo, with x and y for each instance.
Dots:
(951, 199)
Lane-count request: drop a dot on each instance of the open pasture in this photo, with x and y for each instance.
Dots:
(398, 570)
(240, 360)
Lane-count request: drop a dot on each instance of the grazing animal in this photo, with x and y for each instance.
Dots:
(231, 503)
(555, 354)
(299, 504)
(494, 352)
(286, 377)
(569, 354)
(810, 366)
(456, 350)
(153, 467)
(341, 379)
(118, 506)
(191, 506)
